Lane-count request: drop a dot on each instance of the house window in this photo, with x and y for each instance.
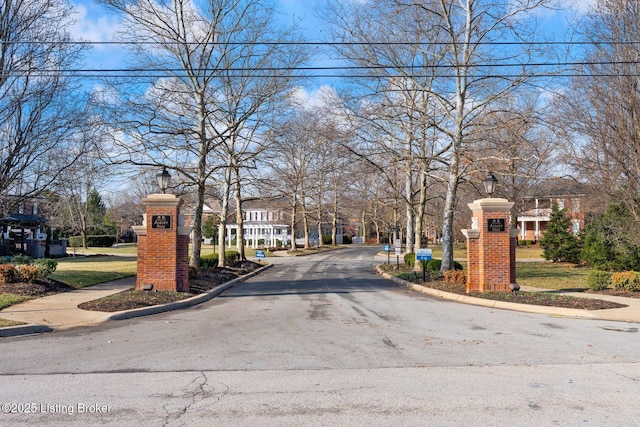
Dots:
(575, 226)
(575, 205)
(560, 204)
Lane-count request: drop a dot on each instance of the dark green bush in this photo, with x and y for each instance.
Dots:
(102, 241)
(610, 241)
(211, 260)
(21, 260)
(436, 264)
(347, 240)
(598, 280)
(410, 259)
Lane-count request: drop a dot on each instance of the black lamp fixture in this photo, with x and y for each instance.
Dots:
(490, 183)
(164, 179)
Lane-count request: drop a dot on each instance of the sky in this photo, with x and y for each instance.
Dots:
(95, 23)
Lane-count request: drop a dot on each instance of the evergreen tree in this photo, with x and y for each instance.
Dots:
(96, 211)
(611, 242)
(558, 242)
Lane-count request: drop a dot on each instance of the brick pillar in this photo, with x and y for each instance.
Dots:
(163, 245)
(490, 246)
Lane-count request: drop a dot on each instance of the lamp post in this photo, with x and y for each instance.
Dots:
(164, 179)
(489, 182)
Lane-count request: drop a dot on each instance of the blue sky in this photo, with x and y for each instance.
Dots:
(95, 23)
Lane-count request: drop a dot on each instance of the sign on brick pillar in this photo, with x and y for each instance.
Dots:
(490, 246)
(163, 242)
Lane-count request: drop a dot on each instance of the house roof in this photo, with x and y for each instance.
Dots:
(557, 188)
(22, 219)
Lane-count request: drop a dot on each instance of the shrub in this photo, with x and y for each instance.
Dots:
(231, 257)
(209, 261)
(21, 260)
(7, 273)
(347, 240)
(27, 273)
(455, 276)
(436, 264)
(626, 281)
(45, 266)
(410, 259)
(598, 280)
(102, 241)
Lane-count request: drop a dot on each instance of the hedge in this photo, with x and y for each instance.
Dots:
(102, 241)
(211, 260)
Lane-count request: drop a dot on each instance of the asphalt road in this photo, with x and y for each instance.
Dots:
(321, 340)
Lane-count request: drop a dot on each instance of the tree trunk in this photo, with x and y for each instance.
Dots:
(294, 213)
(222, 233)
(239, 219)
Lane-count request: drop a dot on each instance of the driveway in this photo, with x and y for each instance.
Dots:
(321, 340)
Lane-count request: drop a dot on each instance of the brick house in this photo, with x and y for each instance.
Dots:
(534, 211)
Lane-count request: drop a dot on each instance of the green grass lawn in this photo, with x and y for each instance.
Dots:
(122, 249)
(549, 275)
(86, 271)
(10, 299)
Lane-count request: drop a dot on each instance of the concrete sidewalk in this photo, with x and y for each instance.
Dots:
(60, 311)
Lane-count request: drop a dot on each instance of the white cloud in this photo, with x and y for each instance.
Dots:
(93, 25)
(316, 99)
(580, 6)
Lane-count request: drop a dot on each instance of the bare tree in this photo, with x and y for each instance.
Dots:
(39, 115)
(292, 155)
(222, 66)
(453, 43)
(519, 145)
(601, 112)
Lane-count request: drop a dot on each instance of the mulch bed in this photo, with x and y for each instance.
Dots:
(209, 279)
(549, 298)
(205, 281)
(39, 288)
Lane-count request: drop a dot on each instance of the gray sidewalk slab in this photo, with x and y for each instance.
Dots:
(60, 311)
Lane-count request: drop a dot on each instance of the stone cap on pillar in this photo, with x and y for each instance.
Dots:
(140, 230)
(491, 205)
(170, 200)
(471, 233)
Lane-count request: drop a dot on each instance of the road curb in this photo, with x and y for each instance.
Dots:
(503, 305)
(185, 303)
(12, 331)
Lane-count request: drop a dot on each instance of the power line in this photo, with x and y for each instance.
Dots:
(563, 70)
(319, 43)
